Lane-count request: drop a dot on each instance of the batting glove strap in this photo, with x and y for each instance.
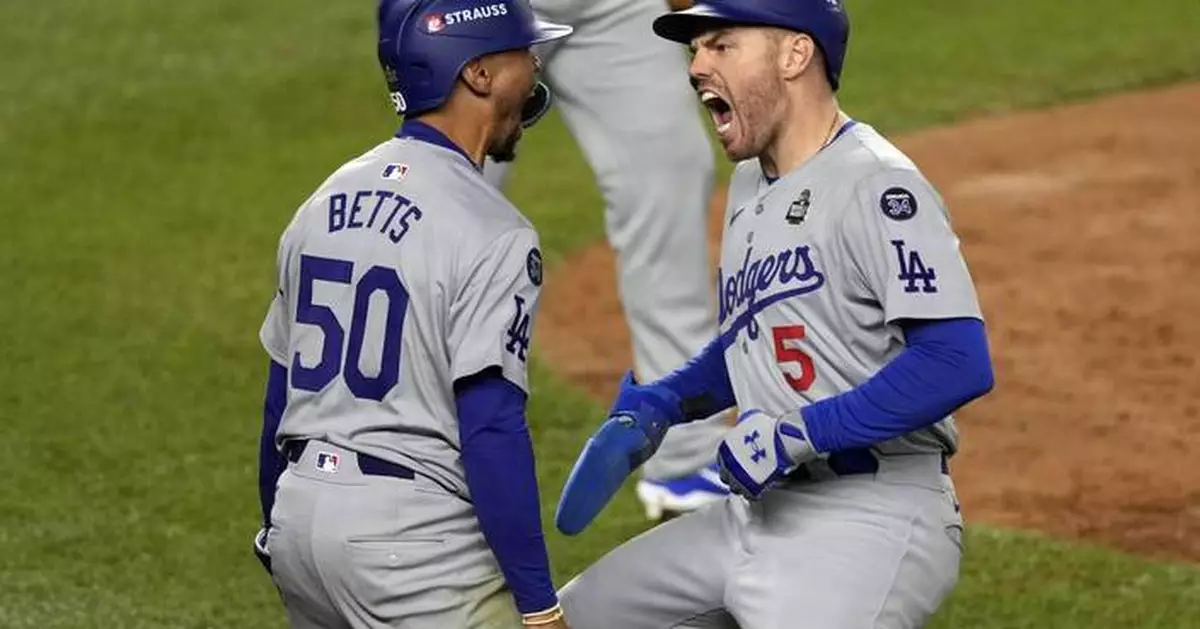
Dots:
(793, 437)
(545, 617)
(760, 450)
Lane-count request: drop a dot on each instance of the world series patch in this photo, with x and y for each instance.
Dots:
(799, 208)
(898, 204)
(533, 265)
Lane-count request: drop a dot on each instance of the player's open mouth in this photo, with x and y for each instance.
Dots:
(722, 112)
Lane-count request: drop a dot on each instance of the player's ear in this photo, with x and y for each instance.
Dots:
(478, 77)
(796, 53)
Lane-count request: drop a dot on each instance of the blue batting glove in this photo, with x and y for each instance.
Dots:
(760, 450)
(632, 433)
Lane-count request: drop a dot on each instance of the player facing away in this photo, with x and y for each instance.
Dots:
(850, 332)
(398, 481)
(624, 96)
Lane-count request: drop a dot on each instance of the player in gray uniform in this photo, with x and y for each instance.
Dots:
(623, 94)
(407, 288)
(850, 332)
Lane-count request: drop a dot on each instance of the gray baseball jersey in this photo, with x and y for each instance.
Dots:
(817, 268)
(403, 272)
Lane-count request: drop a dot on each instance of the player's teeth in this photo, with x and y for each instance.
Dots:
(706, 96)
(725, 127)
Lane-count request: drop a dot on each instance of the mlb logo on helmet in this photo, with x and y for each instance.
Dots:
(328, 461)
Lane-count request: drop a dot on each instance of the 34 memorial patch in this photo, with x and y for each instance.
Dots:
(898, 204)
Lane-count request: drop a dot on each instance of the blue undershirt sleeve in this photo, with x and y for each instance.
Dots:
(497, 453)
(270, 461)
(702, 384)
(945, 365)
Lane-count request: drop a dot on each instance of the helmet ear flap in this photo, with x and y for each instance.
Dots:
(538, 104)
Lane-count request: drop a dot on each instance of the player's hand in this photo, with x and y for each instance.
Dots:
(632, 433)
(760, 450)
(260, 549)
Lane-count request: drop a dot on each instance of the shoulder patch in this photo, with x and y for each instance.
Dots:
(898, 204)
(533, 265)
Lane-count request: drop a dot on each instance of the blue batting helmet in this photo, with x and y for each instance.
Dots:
(424, 45)
(823, 20)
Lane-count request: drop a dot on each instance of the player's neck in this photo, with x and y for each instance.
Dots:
(810, 124)
(463, 131)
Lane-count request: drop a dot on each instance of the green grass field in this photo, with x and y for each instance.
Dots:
(150, 154)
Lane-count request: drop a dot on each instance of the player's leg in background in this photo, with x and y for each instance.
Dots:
(847, 553)
(625, 96)
(672, 576)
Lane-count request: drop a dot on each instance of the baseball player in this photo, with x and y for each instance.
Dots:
(623, 95)
(398, 342)
(850, 332)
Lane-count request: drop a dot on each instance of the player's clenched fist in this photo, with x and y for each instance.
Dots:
(760, 450)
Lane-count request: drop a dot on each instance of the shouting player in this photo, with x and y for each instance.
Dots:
(850, 332)
(398, 342)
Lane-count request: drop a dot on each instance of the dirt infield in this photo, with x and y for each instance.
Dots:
(1081, 225)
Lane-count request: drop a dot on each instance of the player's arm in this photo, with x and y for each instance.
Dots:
(270, 461)
(491, 323)
(497, 453)
(274, 338)
(905, 256)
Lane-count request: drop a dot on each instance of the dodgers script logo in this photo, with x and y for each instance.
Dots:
(791, 269)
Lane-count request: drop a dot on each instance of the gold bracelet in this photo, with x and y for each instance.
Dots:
(537, 619)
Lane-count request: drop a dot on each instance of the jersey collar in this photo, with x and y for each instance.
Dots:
(422, 132)
(846, 126)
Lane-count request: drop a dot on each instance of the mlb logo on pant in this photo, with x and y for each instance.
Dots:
(327, 462)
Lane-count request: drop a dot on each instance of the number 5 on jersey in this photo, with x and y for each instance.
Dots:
(788, 352)
(335, 345)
